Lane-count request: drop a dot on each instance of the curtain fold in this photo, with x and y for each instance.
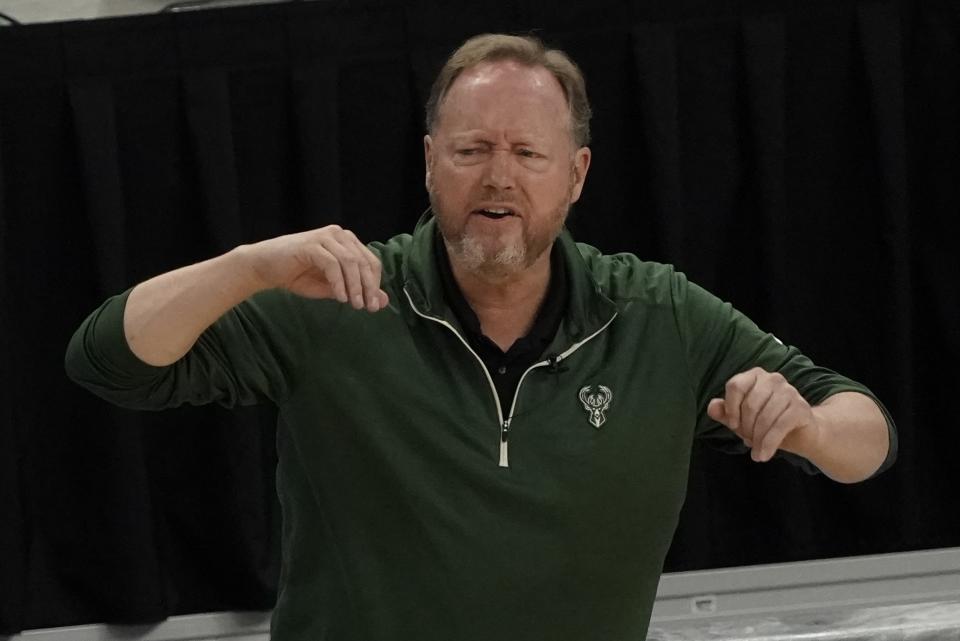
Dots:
(655, 55)
(717, 243)
(932, 84)
(315, 103)
(763, 55)
(95, 126)
(16, 530)
(206, 96)
(881, 45)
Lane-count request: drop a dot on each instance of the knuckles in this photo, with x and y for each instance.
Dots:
(751, 405)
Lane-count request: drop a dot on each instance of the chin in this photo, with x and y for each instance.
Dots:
(499, 260)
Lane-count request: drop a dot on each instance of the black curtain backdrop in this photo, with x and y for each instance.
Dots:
(800, 159)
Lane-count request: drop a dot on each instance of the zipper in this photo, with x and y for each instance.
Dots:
(505, 422)
(504, 460)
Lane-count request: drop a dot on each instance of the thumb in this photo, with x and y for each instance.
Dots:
(716, 409)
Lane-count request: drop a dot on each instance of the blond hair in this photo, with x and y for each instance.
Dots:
(527, 50)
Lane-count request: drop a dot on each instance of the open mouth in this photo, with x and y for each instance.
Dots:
(494, 213)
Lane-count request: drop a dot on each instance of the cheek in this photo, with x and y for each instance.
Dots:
(454, 181)
(547, 191)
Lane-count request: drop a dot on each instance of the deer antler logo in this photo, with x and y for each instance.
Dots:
(596, 403)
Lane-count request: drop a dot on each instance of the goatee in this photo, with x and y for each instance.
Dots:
(471, 253)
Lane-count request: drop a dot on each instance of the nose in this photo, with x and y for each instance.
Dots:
(498, 173)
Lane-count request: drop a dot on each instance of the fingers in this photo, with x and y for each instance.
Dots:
(352, 271)
(767, 420)
(735, 391)
(788, 421)
(766, 389)
(327, 262)
(361, 271)
(762, 408)
(716, 410)
(374, 297)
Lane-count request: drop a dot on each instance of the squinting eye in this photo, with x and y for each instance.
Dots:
(467, 152)
(526, 153)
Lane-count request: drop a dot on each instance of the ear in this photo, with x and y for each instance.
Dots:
(428, 161)
(581, 163)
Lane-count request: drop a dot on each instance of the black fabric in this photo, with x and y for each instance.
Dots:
(507, 367)
(797, 159)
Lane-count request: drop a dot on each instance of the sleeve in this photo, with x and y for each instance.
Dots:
(249, 355)
(722, 342)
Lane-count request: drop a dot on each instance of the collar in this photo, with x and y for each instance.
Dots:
(545, 322)
(588, 309)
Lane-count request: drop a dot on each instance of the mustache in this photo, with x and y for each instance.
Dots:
(499, 198)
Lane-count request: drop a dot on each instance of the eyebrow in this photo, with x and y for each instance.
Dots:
(472, 139)
(480, 138)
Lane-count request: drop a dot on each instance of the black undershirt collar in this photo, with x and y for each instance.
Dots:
(506, 368)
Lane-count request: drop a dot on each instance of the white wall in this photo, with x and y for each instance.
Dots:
(29, 11)
(220, 626)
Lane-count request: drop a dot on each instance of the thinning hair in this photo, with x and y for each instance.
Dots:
(526, 50)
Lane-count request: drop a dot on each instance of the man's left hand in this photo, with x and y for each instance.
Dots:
(764, 410)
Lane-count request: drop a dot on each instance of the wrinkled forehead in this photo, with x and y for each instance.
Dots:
(504, 95)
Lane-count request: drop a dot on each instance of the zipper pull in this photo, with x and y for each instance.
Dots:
(554, 366)
(504, 433)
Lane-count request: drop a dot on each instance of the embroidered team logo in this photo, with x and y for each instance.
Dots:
(596, 403)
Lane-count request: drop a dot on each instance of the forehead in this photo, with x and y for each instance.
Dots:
(505, 95)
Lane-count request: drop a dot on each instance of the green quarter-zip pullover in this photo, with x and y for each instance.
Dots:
(420, 505)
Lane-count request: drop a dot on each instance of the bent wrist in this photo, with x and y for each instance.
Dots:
(807, 440)
(247, 267)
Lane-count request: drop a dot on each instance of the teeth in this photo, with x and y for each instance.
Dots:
(497, 211)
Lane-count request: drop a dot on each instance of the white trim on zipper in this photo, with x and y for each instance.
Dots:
(505, 423)
(556, 361)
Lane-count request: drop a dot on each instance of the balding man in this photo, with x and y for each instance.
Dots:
(484, 427)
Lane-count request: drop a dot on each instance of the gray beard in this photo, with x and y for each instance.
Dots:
(469, 253)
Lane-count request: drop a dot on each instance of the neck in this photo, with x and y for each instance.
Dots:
(506, 306)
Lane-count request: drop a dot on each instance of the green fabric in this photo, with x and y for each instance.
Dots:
(399, 523)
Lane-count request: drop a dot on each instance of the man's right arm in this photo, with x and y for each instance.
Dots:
(164, 316)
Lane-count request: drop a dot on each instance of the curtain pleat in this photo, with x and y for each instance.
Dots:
(655, 57)
(94, 121)
(932, 34)
(206, 96)
(15, 531)
(316, 115)
(712, 160)
(764, 65)
(881, 46)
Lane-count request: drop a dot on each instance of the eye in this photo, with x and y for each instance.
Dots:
(470, 151)
(528, 153)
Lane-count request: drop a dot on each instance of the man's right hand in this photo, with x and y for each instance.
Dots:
(329, 262)
(165, 315)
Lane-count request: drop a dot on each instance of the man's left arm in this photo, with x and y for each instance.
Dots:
(845, 436)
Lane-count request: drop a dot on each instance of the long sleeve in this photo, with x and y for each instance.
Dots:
(247, 356)
(722, 342)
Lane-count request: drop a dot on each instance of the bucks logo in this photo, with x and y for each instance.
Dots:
(596, 403)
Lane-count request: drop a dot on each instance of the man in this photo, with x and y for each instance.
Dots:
(484, 428)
